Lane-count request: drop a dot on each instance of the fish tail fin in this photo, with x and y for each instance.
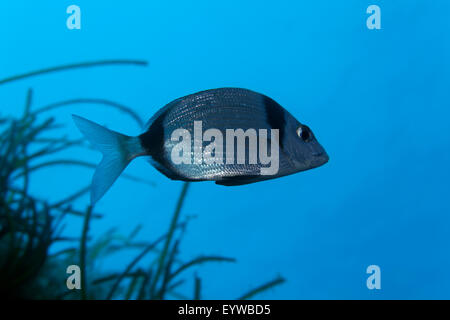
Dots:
(117, 149)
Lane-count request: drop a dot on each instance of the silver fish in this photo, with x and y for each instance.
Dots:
(220, 110)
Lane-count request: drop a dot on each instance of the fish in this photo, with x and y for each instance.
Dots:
(210, 117)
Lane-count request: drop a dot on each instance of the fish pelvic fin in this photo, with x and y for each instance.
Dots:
(118, 150)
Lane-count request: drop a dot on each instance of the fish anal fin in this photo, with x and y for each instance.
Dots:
(238, 180)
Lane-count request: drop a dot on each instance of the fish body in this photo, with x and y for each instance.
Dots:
(232, 136)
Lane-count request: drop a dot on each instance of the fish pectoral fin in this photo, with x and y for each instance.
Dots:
(238, 180)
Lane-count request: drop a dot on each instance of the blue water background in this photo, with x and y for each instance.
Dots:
(377, 100)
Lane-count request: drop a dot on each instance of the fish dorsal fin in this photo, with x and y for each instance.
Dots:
(159, 113)
(153, 118)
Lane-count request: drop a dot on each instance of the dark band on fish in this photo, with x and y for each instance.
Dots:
(153, 142)
(153, 139)
(275, 117)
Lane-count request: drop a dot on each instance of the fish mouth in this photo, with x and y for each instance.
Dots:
(318, 154)
(320, 158)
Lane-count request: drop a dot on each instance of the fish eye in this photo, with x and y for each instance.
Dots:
(304, 133)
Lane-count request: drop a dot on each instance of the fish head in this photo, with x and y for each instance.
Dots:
(302, 147)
